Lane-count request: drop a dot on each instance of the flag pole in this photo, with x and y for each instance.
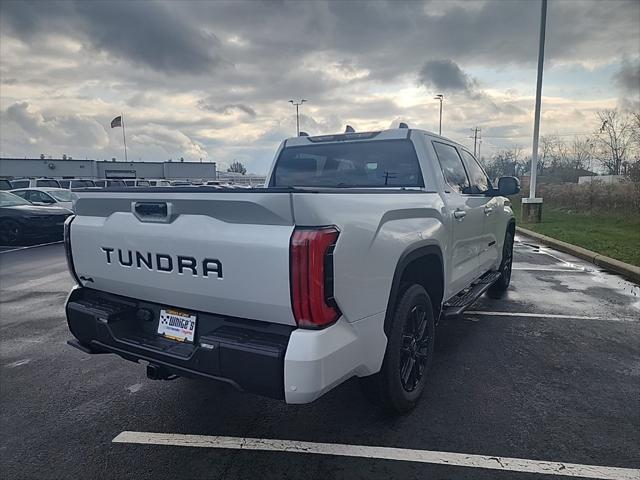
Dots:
(124, 138)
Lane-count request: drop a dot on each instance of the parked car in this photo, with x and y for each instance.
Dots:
(137, 183)
(76, 183)
(34, 182)
(160, 183)
(5, 184)
(109, 183)
(57, 197)
(20, 220)
(359, 245)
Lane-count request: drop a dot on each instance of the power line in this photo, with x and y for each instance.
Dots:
(568, 134)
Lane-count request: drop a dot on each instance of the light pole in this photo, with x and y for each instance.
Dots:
(532, 206)
(441, 98)
(297, 105)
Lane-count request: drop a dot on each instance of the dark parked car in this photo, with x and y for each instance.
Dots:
(21, 221)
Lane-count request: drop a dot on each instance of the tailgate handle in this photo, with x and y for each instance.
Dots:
(152, 211)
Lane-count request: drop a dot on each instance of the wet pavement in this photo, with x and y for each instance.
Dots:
(551, 372)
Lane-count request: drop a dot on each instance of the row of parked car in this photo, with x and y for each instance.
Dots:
(35, 208)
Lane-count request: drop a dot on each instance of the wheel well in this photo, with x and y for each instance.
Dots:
(424, 268)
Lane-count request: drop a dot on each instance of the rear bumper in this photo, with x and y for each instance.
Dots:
(274, 360)
(244, 353)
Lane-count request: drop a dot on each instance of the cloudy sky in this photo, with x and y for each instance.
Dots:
(211, 80)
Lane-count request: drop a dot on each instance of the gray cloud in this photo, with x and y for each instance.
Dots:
(205, 70)
(228, 108)
(628, 77)
(446, 76)
(152, 34)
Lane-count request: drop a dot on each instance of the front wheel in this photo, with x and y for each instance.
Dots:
(10, 232)
(497, 289)
(401, 380)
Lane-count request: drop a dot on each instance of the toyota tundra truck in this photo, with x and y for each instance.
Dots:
(340, 267)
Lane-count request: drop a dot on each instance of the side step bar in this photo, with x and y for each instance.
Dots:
(455, 306)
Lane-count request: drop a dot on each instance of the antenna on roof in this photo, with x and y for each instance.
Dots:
(303, 134)
(403, 125)
(349, 129)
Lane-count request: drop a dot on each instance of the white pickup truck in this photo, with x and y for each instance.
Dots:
(340, 267)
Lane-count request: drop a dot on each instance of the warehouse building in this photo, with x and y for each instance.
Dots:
(72, 168)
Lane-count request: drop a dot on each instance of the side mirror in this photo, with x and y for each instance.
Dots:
(508, 186)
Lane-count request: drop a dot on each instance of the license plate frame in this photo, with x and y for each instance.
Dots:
(177, 325)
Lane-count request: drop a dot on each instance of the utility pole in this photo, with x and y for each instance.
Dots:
(475, 140)
(441, 98)
(297, 105)
(532, 206)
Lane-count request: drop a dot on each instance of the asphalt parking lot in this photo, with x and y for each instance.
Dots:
(550, 373)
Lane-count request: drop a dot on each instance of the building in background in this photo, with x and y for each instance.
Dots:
(71, 168)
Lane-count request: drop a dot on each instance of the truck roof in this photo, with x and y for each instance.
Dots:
(389, 134)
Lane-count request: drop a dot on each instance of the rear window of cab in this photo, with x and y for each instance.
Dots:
(378, 163)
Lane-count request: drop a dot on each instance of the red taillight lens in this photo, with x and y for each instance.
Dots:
(312, 277)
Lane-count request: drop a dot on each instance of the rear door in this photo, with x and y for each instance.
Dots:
(218, 252)
(467, 218)
(489, 252)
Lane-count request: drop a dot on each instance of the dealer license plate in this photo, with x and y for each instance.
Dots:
(177, 325)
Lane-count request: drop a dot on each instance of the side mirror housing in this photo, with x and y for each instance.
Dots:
(508, 186)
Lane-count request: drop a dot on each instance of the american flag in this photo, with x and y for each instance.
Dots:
(116, 122)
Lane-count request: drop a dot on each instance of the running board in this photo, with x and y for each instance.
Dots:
(455, 306)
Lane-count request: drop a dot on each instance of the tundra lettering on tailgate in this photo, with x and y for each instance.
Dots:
(164, 263)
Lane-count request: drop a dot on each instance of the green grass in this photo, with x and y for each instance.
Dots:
(611, 235)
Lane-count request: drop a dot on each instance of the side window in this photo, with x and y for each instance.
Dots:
(452, 167)
(479, 180)
(23, 194)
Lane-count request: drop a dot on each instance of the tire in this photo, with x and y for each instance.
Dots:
(497, 289)
(10, 232)
(401, 380)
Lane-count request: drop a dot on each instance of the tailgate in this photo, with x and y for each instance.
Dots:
(217, 252)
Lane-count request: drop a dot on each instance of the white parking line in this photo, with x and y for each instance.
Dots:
(544, 269)
(539, 315)
(30, 246)
(385, 453)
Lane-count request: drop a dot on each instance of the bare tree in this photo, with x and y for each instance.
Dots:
(581, 154)
(237, 167)
(505, 162)
(614, 137)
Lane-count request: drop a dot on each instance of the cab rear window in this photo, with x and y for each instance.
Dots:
(380, 163)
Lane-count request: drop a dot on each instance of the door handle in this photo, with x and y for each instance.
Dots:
(488, 210)
(459, 214)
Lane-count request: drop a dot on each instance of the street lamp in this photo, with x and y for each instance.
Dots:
(297, 105)
(441, 98)
(532, 206)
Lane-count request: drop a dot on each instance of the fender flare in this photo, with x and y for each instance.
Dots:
(412, 253)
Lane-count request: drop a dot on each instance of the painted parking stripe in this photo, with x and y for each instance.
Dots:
(539, 315)
(543, 269)
(29, 246)
(384, 453)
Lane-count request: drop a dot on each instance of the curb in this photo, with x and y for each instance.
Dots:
(625, 269)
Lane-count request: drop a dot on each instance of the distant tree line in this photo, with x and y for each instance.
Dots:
(612, 149)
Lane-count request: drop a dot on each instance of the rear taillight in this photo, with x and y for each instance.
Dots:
(312, 277)
(67, 247)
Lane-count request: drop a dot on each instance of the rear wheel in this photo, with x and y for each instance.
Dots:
(401, 380)
(10, 232)
(497, 289)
